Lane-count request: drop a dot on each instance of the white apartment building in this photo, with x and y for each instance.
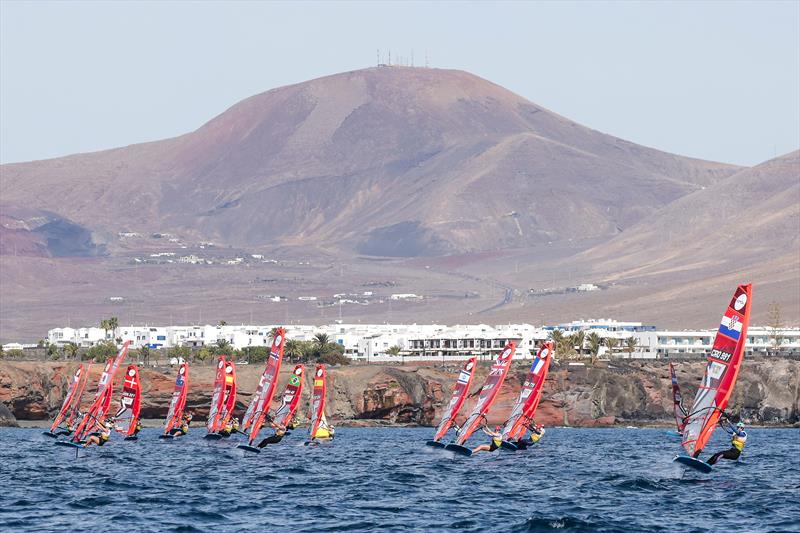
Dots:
(362, 341)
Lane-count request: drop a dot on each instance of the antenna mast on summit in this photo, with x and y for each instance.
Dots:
(412, 57)
(379, 58)
(426, 58)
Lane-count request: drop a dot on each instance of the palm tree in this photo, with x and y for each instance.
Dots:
(611, 343)
(293, 350)
(579, 338)
(113, 324)
(321, 340)
(594, 345)
(71, 350)
(394, 350)
(557, 336)
(222, 323)
(630, 344)
(105, 327)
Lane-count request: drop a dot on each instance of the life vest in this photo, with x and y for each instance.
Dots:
(323, 433)
(497, 441)
(738, 441)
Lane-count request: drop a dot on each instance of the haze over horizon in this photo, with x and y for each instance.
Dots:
(702, 80)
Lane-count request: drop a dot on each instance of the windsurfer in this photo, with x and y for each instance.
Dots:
(497, 439)
(137, 428)
(102, 433)
(65, 430)
(184, 427)
(537, 432)
(275, 438)
(738, 440)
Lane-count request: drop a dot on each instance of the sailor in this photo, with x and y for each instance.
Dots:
(497, 439)
(184, 427)
(275, 438)
(234, 425)
(325, 433)
(738, 440)
(537, 432)
(66, 430)
(103, 433)
(137, 428)
(226, 431)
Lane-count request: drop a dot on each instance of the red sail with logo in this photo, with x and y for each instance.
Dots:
(102, 398)
(721, 372)
(530, 395)
(72, 396)
(318, 402)
(262, 399)
(291, 397)
(178, 402)
(76, 405)
(491, 387)
(229, 396)
(460, 392)
(130, 403)
(212, 423)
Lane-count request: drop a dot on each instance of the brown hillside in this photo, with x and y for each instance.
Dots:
(385, 161)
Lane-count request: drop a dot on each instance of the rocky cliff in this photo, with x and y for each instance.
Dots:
(768, 392)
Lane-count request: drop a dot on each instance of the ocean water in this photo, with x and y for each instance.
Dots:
(387, 479)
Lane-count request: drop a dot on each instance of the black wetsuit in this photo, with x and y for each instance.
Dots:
(272, 439)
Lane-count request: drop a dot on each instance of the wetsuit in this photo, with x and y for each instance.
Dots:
(496, 441)
(180, 431)
(102, 436)
(275, 438)
(738, 440)
(523, 444)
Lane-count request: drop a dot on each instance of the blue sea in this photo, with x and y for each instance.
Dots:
(387, 479)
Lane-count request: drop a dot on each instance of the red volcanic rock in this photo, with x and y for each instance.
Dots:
(617, 393)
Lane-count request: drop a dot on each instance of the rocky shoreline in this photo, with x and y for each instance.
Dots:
(617, 393)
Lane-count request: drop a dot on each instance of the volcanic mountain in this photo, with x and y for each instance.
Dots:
(389, 161)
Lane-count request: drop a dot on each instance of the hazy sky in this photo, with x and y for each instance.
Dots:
(716, 80)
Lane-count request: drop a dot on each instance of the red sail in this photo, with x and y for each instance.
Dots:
(262, 399)
(721, 372)
(102, 398)
(229, 398)
(291, 397)
(318, 401)
(130, 403)
(217, 398)
(497, 375)
(70, 397)
(677, 401)
(178, 402)
(460, 392)
(76, 406)
(530, 395)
